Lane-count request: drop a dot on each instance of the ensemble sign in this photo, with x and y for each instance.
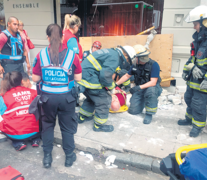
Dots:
(26, 5)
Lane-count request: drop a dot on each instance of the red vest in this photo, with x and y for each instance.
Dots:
(16, 119)
(67, 35)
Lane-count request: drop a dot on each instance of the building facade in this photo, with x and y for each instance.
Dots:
(38, 14)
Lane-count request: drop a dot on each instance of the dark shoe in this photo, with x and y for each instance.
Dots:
(185, 122)
(21, 147)
(194, 132)
(103, 128)
(82, 118)
(35, 143)
(69, 159)
(47, 160)
(147, 119)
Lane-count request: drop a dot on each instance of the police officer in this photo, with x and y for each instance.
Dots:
(12, 49)
(195, 73)
(98, 69)
(57, 66)
(95, 46)
(147, 80)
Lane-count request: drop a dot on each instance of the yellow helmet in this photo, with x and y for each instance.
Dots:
(141, 50)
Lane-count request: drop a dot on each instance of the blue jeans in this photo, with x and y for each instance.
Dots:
(16, 143)
(145, 98)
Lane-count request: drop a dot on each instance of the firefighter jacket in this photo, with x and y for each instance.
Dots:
(17, 122)
(98, 68)
(199, 58)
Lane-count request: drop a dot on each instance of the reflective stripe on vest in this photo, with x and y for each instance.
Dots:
(94, 62)
(60, 89)
(14, 40)
(89, 85)
(53, 75)
(16, 108)
(195, 86)
(68, 61)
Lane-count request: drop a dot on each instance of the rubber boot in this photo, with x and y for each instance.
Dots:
(47, 160)
(69, 159)
(185, 122)
(82, 118)
(147, 119)
(103, 128)
(195, 132)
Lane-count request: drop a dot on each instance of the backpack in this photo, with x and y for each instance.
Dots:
(9, 173)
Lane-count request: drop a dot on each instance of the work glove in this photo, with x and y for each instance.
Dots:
(197, 73)
(203, 84)
(184, 76)
(134, 89)
(189, 66)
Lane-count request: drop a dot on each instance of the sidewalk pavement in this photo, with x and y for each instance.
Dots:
(131, 137)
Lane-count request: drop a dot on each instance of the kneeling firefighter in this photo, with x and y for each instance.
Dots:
(195, 73)
(147, 80)
(98, 69)
(58, 67)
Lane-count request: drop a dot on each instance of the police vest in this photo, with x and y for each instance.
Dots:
(56, 79)
(142, 73)
(12, 52)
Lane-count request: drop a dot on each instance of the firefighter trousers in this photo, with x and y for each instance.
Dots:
(97, 100)
(196, 107)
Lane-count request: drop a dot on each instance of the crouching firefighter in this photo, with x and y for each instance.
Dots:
(58, 67)
(147, 80)
(12, 49)
(195, 73)
(98, 69)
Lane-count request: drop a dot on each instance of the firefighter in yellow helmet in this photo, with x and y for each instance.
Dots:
(147, 80)
(195, 73)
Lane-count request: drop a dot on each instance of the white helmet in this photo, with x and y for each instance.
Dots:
(129, 50)
(196, 14)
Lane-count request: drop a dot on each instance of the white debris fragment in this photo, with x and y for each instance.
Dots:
(99, 166)
(181, 137)
(58, 145)
(110, 160)
(112, 166)
(156, 141)
(89, 156)
(82, 153)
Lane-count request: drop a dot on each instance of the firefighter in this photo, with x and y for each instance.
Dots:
(98, 69)
(95, 46)
(12, 49)
(195, 73)
(147, 80)
(57, 67)
(71, 27)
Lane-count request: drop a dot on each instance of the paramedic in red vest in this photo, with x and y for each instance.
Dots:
(17, 124)
(12, 49)
(71, 27)
(57, 67)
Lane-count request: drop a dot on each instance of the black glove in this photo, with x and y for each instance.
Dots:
(134, 89)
